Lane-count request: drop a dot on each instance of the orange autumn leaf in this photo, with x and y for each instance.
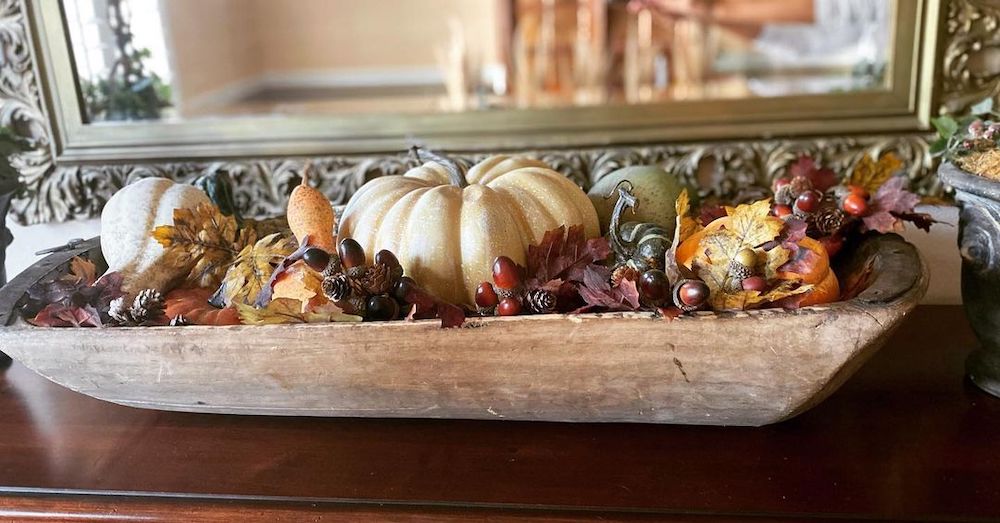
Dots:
(302, 284)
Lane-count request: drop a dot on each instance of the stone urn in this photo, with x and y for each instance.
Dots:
(979, 244)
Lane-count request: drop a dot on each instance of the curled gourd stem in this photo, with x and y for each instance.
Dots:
(626, 200)
(305, 173)
(455, 172)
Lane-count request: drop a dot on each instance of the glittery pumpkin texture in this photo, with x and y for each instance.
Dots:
(446, 236)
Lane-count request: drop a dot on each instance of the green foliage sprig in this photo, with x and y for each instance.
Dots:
(977, 131)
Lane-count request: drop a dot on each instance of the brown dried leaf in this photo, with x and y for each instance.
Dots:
(204, 242)
(564, 254)
(686, 227)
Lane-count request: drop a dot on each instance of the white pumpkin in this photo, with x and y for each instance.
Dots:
(447, 229)
(127, 224)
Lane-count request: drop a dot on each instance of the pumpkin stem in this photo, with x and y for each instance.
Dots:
(455, 172)
(626, 200)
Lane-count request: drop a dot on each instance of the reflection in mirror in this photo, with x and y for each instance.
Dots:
(190, 59)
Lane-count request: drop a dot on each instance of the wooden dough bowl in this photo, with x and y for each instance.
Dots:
(740, 368)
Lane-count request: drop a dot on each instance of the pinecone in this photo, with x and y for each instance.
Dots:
(800, 184)
(333, 267)
(357, 305)
(376, 279)
(118, 311)
(785, 195)
(624, 272)
(829, 218)
(503, 294)
(541, 301)
(737, 273)
(337, 287)
(147, 309)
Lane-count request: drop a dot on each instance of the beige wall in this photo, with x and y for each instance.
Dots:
(352, 34)
(216, 44)
(210, 44)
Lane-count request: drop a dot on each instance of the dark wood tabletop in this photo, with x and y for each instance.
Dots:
(907, 438)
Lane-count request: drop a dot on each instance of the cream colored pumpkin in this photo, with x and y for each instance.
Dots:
(127, 224)
(446, 233)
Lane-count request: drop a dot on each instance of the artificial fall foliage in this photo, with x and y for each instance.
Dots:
(287, 310)
(75, 299)
(569, 265)
(204, 240)
(252, 269)
(750, 226)
(871, 175)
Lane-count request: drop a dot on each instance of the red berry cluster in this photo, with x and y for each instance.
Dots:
(505, 296)
(828, 213)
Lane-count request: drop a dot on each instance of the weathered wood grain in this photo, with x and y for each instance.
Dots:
(721, 369)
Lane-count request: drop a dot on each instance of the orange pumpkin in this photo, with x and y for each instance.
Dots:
(193, 305)
(826, 287)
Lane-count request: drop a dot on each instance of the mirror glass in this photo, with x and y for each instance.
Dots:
(194, 59)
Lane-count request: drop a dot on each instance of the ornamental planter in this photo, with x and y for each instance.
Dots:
(734, 368)
(979, 245)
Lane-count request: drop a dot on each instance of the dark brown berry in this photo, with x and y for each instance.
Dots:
(754, 283)
(654, 286)
(691, 294)
(387, 258)
(506, 273)
(509, 307)
(317, 259)
(382, 308)
(486, 295)
(402, 288)
(808, 202)
(351, 253)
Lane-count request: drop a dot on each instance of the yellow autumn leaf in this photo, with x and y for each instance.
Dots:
(871, 175)
(252, 269)
(686, 225)
(753, 224)
(286, 310)
(203, 242)
(750, 227)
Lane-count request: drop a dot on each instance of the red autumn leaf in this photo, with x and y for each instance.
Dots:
(563, 255)
(670, 313)
(891, 199)
(821, 179)
(920, 220)
(792, 233)
(801, 262)
(597, 291)
(709, 213)
(426, 306)
(58, 315)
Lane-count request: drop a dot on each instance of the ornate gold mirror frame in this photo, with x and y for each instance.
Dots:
(719, 146)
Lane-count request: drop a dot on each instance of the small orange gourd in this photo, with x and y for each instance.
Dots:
(310, 214)
(193, 305)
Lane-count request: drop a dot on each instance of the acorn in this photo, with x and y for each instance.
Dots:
(690, 295)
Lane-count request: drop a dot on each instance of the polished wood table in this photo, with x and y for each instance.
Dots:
(907, 438)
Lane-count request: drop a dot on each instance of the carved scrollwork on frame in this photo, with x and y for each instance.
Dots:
(57, 192)
(972, 47)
